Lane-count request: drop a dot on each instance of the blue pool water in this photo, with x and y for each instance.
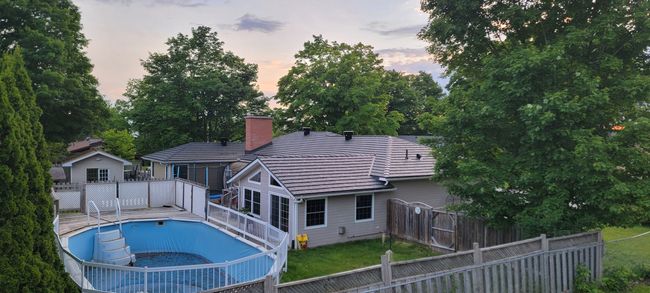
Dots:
(173, 243)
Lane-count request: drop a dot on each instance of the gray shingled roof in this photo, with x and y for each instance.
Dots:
(390, 152)
(322, 174)
(199, 152)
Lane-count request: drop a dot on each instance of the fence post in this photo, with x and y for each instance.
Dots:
(148, 194)
(183, 194)
(477, 277)
(82, 198)
(269, 284)
(599, 255)
(207, 200)
(545, 268)
(386, 271)
(145, 279)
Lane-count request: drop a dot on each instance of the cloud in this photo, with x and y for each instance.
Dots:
(384, 29)
(179, 3)
(412, 60)
(249, 22)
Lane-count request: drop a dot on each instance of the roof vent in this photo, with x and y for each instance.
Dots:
(306, 130)
(407, 155)
(348, 134)
(418, 156)
(224, 141)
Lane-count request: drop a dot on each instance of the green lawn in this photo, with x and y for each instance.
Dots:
(627, 253)
(335, 258)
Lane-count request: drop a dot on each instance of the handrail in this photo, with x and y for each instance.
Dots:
(99, 215)
(118, 212)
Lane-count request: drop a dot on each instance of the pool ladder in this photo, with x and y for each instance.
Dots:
(110, 246)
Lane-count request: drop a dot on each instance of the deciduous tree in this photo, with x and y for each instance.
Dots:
(196, 91)
(547, 121)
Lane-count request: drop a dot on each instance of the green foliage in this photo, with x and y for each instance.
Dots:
(535, 90)
(28, 260)
(118, 116)
(196, 91)
(57, 151)
(582, 281)
(119, 143)
(337, 86)
(50, 34)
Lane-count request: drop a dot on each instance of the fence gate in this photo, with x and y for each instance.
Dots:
(443, 230)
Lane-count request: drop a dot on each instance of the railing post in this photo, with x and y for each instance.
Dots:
(599, 255)
(81, 276)
(145, 279)
(477, 277)
(545, 268)
(226, 275)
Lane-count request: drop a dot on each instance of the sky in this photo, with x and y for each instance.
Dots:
(121, 33)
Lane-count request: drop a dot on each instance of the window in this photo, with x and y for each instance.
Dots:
(315, 213)
(364, 207)
(274, 182)
(180, 171)
(256, 178)
(280, 212)
(94, 175)
(252, 201)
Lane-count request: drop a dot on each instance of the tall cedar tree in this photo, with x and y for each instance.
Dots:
(547, 121)
(50, 34)
(28, 259)
(196, 91)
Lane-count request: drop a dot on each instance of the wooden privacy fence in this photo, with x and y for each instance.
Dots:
(445, 231)
(534, 265)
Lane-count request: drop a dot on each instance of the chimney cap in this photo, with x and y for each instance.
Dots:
(224, 141)
(306, 130)
(257, 117)
(348, 134)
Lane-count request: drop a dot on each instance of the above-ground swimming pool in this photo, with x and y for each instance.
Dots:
(172, 256)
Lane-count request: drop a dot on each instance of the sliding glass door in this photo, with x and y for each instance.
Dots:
(280, 212)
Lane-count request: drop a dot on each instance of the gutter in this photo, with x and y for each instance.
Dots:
(317, 195)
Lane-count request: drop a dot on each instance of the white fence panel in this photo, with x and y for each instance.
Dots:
(162, 193)
(187, 196)
(198, 205)
(103, 194)
(134, 195)
(68, 200)
(179, 193)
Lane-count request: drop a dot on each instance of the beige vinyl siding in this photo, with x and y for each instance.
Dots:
(341, 212)
(158, 170)
(99, 161)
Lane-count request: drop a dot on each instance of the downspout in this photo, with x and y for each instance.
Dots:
(384, 180)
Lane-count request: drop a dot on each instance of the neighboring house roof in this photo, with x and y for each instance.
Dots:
(199, 152)
(57, 173)
(84, 145)
(391, 160)
(91, 154)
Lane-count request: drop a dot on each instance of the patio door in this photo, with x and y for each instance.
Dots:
(280, 212)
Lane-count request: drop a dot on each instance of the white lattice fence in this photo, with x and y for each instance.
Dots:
(179, 193)
(162, 193)
(198, 205)
(187, 196)
(68, 200)
(134, 195)
(103, 194)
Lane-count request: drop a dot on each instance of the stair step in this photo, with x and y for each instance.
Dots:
(113, 244)
(108, 235)
(120, 261)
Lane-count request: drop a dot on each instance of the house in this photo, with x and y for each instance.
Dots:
(202, 162)
(333, 187)
(95, 165)
(85, 145)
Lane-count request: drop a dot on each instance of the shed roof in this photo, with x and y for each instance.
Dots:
(92, 153)
(199, 152)
(323, 174)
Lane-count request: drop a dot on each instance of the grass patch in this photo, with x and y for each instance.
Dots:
(325, 260)
(629, 253)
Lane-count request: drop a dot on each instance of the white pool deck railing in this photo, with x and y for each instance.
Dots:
(191, 278)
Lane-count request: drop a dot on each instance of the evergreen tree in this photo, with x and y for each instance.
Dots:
(50, 34)
(28, 261)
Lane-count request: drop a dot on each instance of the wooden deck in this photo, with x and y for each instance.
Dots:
(71, 222)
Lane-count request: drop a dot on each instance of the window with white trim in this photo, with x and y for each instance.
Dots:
(252, 201)
(274, 182)
(315, 213)
(95, 174)
(257, 178)
(364, 207)
(280, 212)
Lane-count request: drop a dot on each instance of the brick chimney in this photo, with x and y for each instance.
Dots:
(259, 132)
